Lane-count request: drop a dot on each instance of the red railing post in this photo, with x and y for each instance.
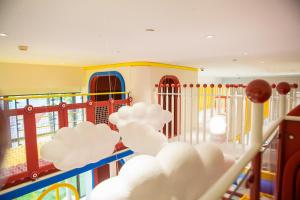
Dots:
(31, 142)
(129, 101)
(111, 109)
(256, 173)
(63, 115)
(90, 111)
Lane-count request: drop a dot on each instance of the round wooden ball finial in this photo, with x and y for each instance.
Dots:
(205, 85)
(172, 85)
(161, 85)
(273, 85)
(191, 85)
(197, 85)
(227, 85)
(156, 85)
(295, 85)
(283, 88)
(184, 85)
(258, 91)
(219, 85)
(212, 85)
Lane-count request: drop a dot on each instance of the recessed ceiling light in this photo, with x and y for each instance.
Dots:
(3, 35)
(210, 36)
(23, 47)
(150, 30)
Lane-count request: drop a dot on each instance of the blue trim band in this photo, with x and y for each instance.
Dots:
(60, 177)
(114, 73)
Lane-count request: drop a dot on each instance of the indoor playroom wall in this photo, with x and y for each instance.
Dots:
(20, 79)
(271, 79)
(140, 80)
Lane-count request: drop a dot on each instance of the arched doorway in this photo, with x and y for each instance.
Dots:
(105, 82)
(172, 102)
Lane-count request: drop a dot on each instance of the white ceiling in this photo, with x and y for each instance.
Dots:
(93, 32)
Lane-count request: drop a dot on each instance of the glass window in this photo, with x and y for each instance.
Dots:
(1, 104)
(21, 103)
(12, 104)
(39, 102)
(68, 100)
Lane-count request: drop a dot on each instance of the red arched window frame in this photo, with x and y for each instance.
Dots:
(162, 100)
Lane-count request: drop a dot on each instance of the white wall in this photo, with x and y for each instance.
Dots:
(208, 79)
(271, 79)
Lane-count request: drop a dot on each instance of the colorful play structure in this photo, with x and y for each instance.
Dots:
(149, 100)
(257, 124)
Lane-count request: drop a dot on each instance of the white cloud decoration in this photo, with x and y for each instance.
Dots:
(142, 138)
(148, 114)
(179, 171)
(139, 125)
(76, 147)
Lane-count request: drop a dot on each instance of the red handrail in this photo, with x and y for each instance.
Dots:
(34, 170)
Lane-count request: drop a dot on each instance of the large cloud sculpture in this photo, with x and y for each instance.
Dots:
(150, 114)
(76, 147)
(142, 138)
(180, 171)
(139, 125)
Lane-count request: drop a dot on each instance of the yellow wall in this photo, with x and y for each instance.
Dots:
(17, 79)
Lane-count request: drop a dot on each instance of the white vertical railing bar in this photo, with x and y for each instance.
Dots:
(204, 113)
(239, 117)
(172, 111)
(179, 101)
(160, 90)
(282, 105)
(167, 108)
(295, 97)
(257, 124)
(231, 115)
(271, 105)
(198, 112)
(218, 99)
(185, 108)
(212, 93)
(243, 118)
(191, 115)
(227, 107)
(290, 105)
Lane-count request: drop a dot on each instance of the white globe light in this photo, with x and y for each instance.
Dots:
(218, 125)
